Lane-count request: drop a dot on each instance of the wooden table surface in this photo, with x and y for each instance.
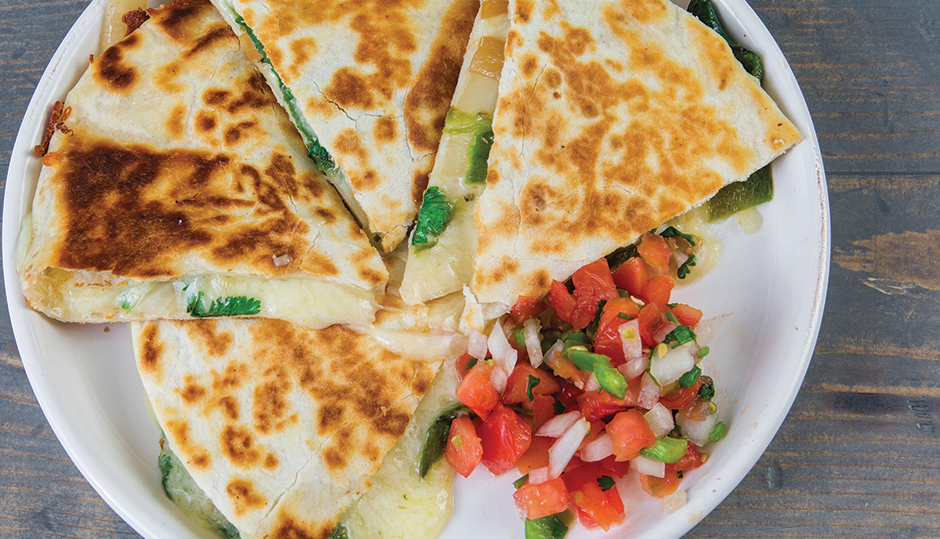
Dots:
(859, 453)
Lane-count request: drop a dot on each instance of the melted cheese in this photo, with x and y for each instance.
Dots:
(314, 304)
(400, 504)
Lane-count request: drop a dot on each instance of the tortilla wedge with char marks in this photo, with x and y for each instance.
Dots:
(178, 188)
(281, 427)
(613, 117)
(370, 82)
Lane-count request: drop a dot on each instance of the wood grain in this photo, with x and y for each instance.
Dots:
(859, 454)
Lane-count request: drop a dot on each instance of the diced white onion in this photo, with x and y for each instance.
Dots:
(560, 453)
(634, 367)
(591, 384)
(538, 476)
(647, 466)
(477, 344)
(668, 368)
(630, 337)
(664, 330)
(674, 501)
(697, 431)
(660, 419)
(706, 330)
(599, 448)
(532, 344)
(553, 352)
(503, 353)
(556, 426)
(649, 392)
(499, 378)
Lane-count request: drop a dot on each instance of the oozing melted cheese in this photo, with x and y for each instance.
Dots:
(314, 304)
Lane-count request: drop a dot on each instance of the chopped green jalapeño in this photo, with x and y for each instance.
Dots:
(480, 125)
(432, 219)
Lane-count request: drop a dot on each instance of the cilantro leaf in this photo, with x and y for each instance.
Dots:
(605, 482)
(533, 381)
(228, 306)
(432, 218)
(683, 271)
(679, 336)
(672, 232)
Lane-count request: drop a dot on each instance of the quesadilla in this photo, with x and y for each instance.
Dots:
(282, 427)
(613, 117)
(367, 84)
(440, 251)
(176, 187)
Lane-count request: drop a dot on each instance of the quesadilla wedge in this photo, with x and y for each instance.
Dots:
(441, 246)
(367, 84)
(612, 118)
(282, 427)
(176, 187)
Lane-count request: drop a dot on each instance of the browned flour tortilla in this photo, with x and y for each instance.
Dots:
(613, 117)
(177, 173)
(281, 426)
(373, 80)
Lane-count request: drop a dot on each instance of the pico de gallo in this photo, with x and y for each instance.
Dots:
(576, 388)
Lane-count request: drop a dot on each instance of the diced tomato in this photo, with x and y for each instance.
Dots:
(655, 251)
(691, 460)
(543, 499)
(526, 307)
(660, 487)
(632, 276)
(630, 433)
(476, 390)
(599, 404)
(682, 397)
(650, 319)
(505, 437)
(686, 315)
(564, 368)
(595, 281)
(618, 468)
(462, 365)
(602, 507)
(608, 341)
(543, 409)
(536, 456)
(568, 393)
(561, 300)
(658, 289)
(518, 383)
(463, 450)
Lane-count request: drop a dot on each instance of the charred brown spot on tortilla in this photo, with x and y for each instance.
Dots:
(215, 98)
(213, 341)
(228, 406)
(238, 445)
(244, 496)
(524, 10)
(271, 408)
(429, 98)
(329, 417)
(174, 122)
(235, 132)
(205, 121)
(270, 461)
(188, 451)
(110, 68)
(288, 529)
(392, 423)
(152, 348)
(192, 391)
(334, 458)
(209, 38)
(349, 146)
(229, 378)
(176, 17)
(384, 130)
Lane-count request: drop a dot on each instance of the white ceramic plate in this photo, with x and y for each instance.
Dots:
(773, 282)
